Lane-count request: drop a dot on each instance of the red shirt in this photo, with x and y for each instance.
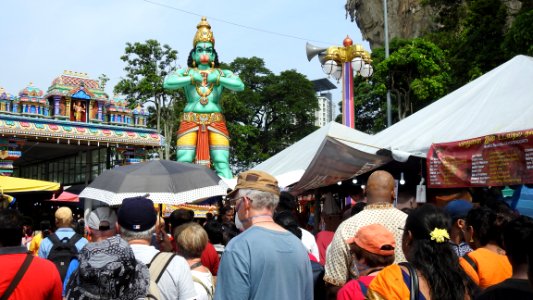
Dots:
(352, 289)
(210, 258)
(323, 239)
(41, 280)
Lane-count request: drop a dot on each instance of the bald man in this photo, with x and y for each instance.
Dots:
(379, 209)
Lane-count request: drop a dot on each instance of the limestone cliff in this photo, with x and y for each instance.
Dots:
(406, 18)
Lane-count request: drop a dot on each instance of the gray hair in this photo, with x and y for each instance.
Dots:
(260, 199)
(129, 235)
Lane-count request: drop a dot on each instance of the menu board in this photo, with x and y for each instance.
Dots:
(492, 160)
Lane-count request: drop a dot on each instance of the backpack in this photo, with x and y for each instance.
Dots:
(156, 267)
(210, 291)
(63, 252)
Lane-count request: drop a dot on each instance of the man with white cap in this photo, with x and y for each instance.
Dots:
(101, 223)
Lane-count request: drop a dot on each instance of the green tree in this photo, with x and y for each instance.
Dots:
(519, 38)
(241, 110)
(416, 73)
(272, 113)
(478, 44)
(288, 114)
(103, 81)
(147, 64)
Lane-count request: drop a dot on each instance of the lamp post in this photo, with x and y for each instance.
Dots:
(345, 62)
(386, 34)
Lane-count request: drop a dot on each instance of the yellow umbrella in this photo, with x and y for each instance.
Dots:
(16, 185)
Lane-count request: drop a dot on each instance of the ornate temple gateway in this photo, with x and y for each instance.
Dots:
(71, 133)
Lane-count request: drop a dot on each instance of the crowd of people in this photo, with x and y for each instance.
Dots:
(257, 248)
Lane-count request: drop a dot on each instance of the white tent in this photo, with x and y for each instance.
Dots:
(332, 153)
(499, 101)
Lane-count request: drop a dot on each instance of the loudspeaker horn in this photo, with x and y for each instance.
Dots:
(312, 51)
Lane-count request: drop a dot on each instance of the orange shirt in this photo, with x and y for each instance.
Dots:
(388, 284)
(492, 268)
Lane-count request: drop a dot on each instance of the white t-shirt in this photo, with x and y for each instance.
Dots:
(219, 248)
(176, 281)
(308, 239)
(207, 279)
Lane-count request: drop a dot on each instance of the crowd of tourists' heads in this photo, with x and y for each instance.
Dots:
(38, 278)
(484, 226)
(340, 266)
(373, 246)
(286, 220)
(108, 268)
(517, 236)
(10, 228)
(191, 240)
(380, 187)
(179, 217)
(226, 214)
(215, 232)
(265, 261)
(425, 245)
(63, 217)
(463, 250)
(457, 210)
(137, 218)
(101, 223)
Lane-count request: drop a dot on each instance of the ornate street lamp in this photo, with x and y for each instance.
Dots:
(344, 62)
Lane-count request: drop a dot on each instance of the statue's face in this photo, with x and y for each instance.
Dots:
(203, 53)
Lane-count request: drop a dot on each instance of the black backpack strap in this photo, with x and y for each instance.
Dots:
(18, 277)
(74, 239)
(470, 261)
(414, 280)
(54, 238)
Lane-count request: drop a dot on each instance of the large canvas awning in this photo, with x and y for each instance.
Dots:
(18, 185)
(499, 101)
(330, 154)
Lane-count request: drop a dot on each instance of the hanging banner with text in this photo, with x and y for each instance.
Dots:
(492, 160)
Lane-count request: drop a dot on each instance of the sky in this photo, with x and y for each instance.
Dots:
(41, 39)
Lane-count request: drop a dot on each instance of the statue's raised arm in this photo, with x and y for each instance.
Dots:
(203, 137)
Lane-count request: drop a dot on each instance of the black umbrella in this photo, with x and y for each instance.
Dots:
(165, 181)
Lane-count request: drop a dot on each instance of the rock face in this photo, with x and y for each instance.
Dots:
(406, 18)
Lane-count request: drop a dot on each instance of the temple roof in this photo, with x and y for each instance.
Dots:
(71, 83)
(31, 94)
(31, 91)
(76, 132)
(5, 95)
(139, 110)
(118, 103)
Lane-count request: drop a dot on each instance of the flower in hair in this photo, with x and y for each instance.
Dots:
(439, 235)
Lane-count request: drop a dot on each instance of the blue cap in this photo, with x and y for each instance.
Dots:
(137, 214)
(458, 209)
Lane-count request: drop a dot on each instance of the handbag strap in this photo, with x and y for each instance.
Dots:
(20, 273)
(414, 289)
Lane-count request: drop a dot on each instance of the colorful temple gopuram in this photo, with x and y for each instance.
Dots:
(70, 133)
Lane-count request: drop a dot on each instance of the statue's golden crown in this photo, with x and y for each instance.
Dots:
(204, 33)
